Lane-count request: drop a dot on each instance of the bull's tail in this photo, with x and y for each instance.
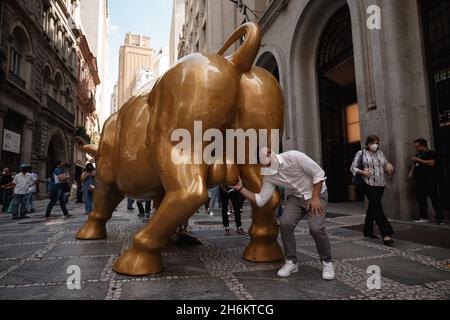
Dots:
(245, 56)
(91, 149)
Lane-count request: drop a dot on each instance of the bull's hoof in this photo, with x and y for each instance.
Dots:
(92, 230)
(263, 252)
(136, 262)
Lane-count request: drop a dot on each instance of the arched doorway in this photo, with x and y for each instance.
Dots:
(436, 25)
(268, 62)
(339, 112)
(56, 151)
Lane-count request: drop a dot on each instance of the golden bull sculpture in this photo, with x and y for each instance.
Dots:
(134, 155)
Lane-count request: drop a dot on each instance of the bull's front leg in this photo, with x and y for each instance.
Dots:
(263, 232)
(106, 199)
(186, 192)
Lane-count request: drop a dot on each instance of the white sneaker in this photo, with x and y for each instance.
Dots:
(328, 271)
(288, 269)
(230, 212)
(422, 221)
(211, 213)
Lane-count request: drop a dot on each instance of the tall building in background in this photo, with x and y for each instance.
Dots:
(95, 20)
(115, 99)
(135, 55)
(176, 29)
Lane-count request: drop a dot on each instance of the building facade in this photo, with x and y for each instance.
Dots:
(38, 85)
(176, 29)
(95, 20)
(115, 99)
(135, 55)
(86, 118)
(344, 79)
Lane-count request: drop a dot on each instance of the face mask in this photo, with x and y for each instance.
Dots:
(374, 147)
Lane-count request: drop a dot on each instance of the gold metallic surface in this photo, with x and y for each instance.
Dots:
(134, 156)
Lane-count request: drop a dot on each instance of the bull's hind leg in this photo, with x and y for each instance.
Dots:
(185, 192)
(106, 199)
(263, 245)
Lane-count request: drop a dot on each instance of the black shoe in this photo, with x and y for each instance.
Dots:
(371, 236)
(388, 243)
(16, 218)
(67, 216)
(25, 217)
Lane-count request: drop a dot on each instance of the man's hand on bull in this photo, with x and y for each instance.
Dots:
(239, 185)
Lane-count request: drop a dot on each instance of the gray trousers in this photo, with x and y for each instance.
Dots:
(295, 211)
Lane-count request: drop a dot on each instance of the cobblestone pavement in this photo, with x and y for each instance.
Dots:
(35, 255)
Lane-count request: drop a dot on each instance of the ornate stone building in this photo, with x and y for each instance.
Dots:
(343, 80)
(39, 87)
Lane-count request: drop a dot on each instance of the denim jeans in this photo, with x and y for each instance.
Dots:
(19, 205)
(88, 200)
(30, 199)
(57, 194)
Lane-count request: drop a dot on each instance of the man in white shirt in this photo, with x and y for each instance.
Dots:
(21, 184)
(307, 195)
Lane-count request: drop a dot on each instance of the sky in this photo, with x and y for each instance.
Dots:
(147, 17)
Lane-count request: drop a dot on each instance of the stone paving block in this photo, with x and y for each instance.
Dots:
(234, 242)
(24, 238)
(207, 288)
(4, 265)
(54, 271)
(85, 249)
(307, 284)
(19, 251)
(404, 271)
(89, 291)
(437, 253)
(349, 250)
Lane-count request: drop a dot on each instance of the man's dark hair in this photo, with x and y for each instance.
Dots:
(422, 142)
(89, 167)
(58, 163)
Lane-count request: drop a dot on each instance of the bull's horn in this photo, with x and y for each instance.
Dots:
(245, 56)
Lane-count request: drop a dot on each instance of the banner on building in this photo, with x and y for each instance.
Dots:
(11, 141)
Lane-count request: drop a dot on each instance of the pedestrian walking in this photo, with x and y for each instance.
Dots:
(371, 165)
(6, 188)
(227, 194)
(88, 180)
(32, 191)
(144, 212)
(58, 191)
(307, 195)
(130, 203)
(21, 185)
(425, 174)
(213, 196)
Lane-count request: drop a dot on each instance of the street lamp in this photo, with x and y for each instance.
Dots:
(243, 8)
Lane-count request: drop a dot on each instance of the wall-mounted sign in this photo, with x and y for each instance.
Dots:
(11, 141)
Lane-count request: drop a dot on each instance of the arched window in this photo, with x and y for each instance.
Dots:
(46, 81)
(19, 67)
(57, 87)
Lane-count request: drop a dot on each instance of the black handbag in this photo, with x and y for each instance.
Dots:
(357, 178)
(65, 187)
